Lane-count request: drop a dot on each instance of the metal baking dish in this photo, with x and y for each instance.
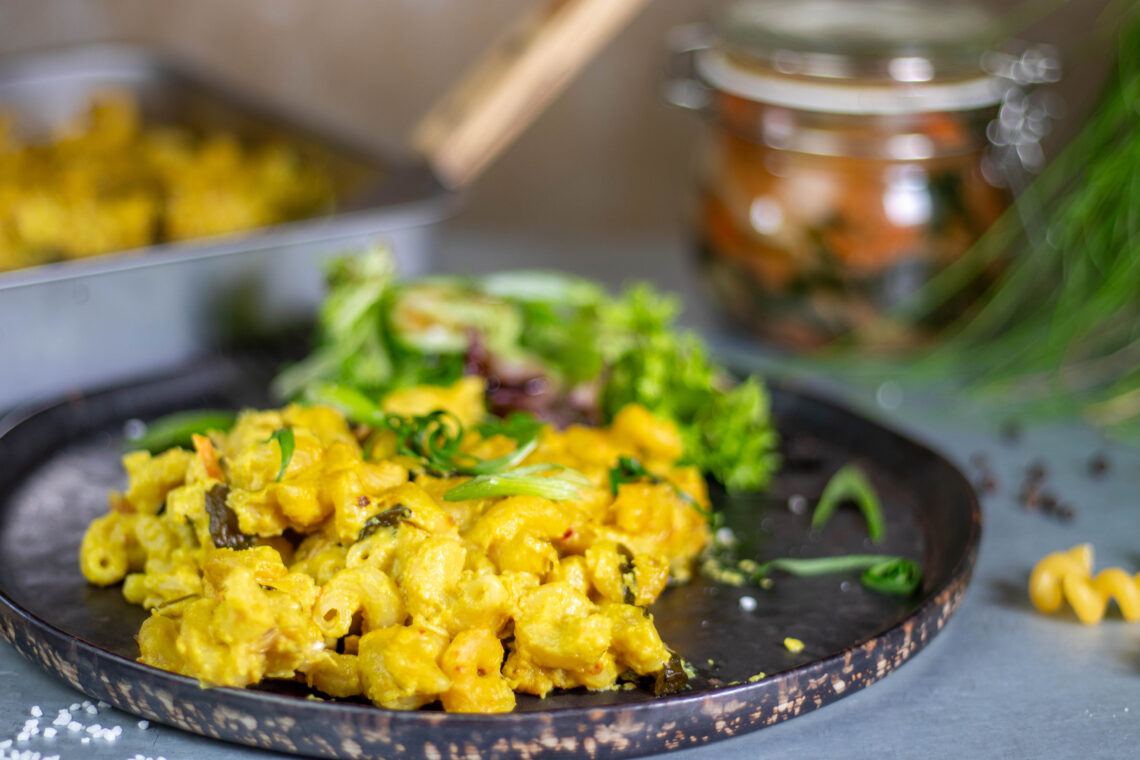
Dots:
(82, 323)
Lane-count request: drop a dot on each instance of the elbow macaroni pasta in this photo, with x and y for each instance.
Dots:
(465, 603)
(1067, 576)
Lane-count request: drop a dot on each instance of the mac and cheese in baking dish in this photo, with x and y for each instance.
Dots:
(297, 546)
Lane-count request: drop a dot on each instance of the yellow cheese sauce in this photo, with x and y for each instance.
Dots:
(346, 568)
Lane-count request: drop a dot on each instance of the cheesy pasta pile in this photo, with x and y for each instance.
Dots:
(111, 182)
(348, 570)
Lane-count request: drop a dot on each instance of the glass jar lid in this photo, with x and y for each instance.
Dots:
(855, 56)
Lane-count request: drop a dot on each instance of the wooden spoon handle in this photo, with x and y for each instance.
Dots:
(513, 82)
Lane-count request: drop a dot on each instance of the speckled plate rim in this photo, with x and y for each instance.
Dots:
(350, 730)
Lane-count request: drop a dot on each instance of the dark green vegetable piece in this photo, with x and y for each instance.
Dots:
(285, 442)
(628, 576)
(224, 522)
(898, 576)
(850, 484)
(176, 429)
(389, 518)
(672, 678)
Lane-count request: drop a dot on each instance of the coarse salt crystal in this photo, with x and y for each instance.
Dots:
(85, 740)
(94, 728)
(91, 710)
(6, 744)
(747, 603)
(144, 724)
(37, 712)
(101, 704)
(49, 733)
(74, 725)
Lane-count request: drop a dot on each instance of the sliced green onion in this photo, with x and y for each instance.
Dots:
(505, 462)
(351, 402)
(285, 442)
(850, 484)
(899, 576)
(176, 429)
(523, 481)
(432, 438)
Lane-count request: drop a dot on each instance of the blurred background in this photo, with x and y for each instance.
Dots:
(604, 183)
(607, 156)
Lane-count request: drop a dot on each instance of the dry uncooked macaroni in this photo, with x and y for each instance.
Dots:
(354, 575)
(1067, 576)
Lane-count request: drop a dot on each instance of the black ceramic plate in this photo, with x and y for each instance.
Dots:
(59, 463)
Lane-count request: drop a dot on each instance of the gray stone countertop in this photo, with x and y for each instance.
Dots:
(1001, 681)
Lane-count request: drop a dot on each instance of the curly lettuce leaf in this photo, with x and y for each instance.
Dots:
(375, 334)
(727, 430)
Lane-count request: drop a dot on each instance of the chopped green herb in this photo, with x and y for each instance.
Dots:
(176, 429)
(898, 576)
(523, 429)
(434, 439)
(850, 484)
(672, 678)
(630, 470)
(518, 426)
(628, 574)
(285, 442)
(883, 573)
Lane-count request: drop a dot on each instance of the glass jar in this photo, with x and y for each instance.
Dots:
(844, 161)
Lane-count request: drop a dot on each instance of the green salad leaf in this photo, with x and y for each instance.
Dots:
(376, 334)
